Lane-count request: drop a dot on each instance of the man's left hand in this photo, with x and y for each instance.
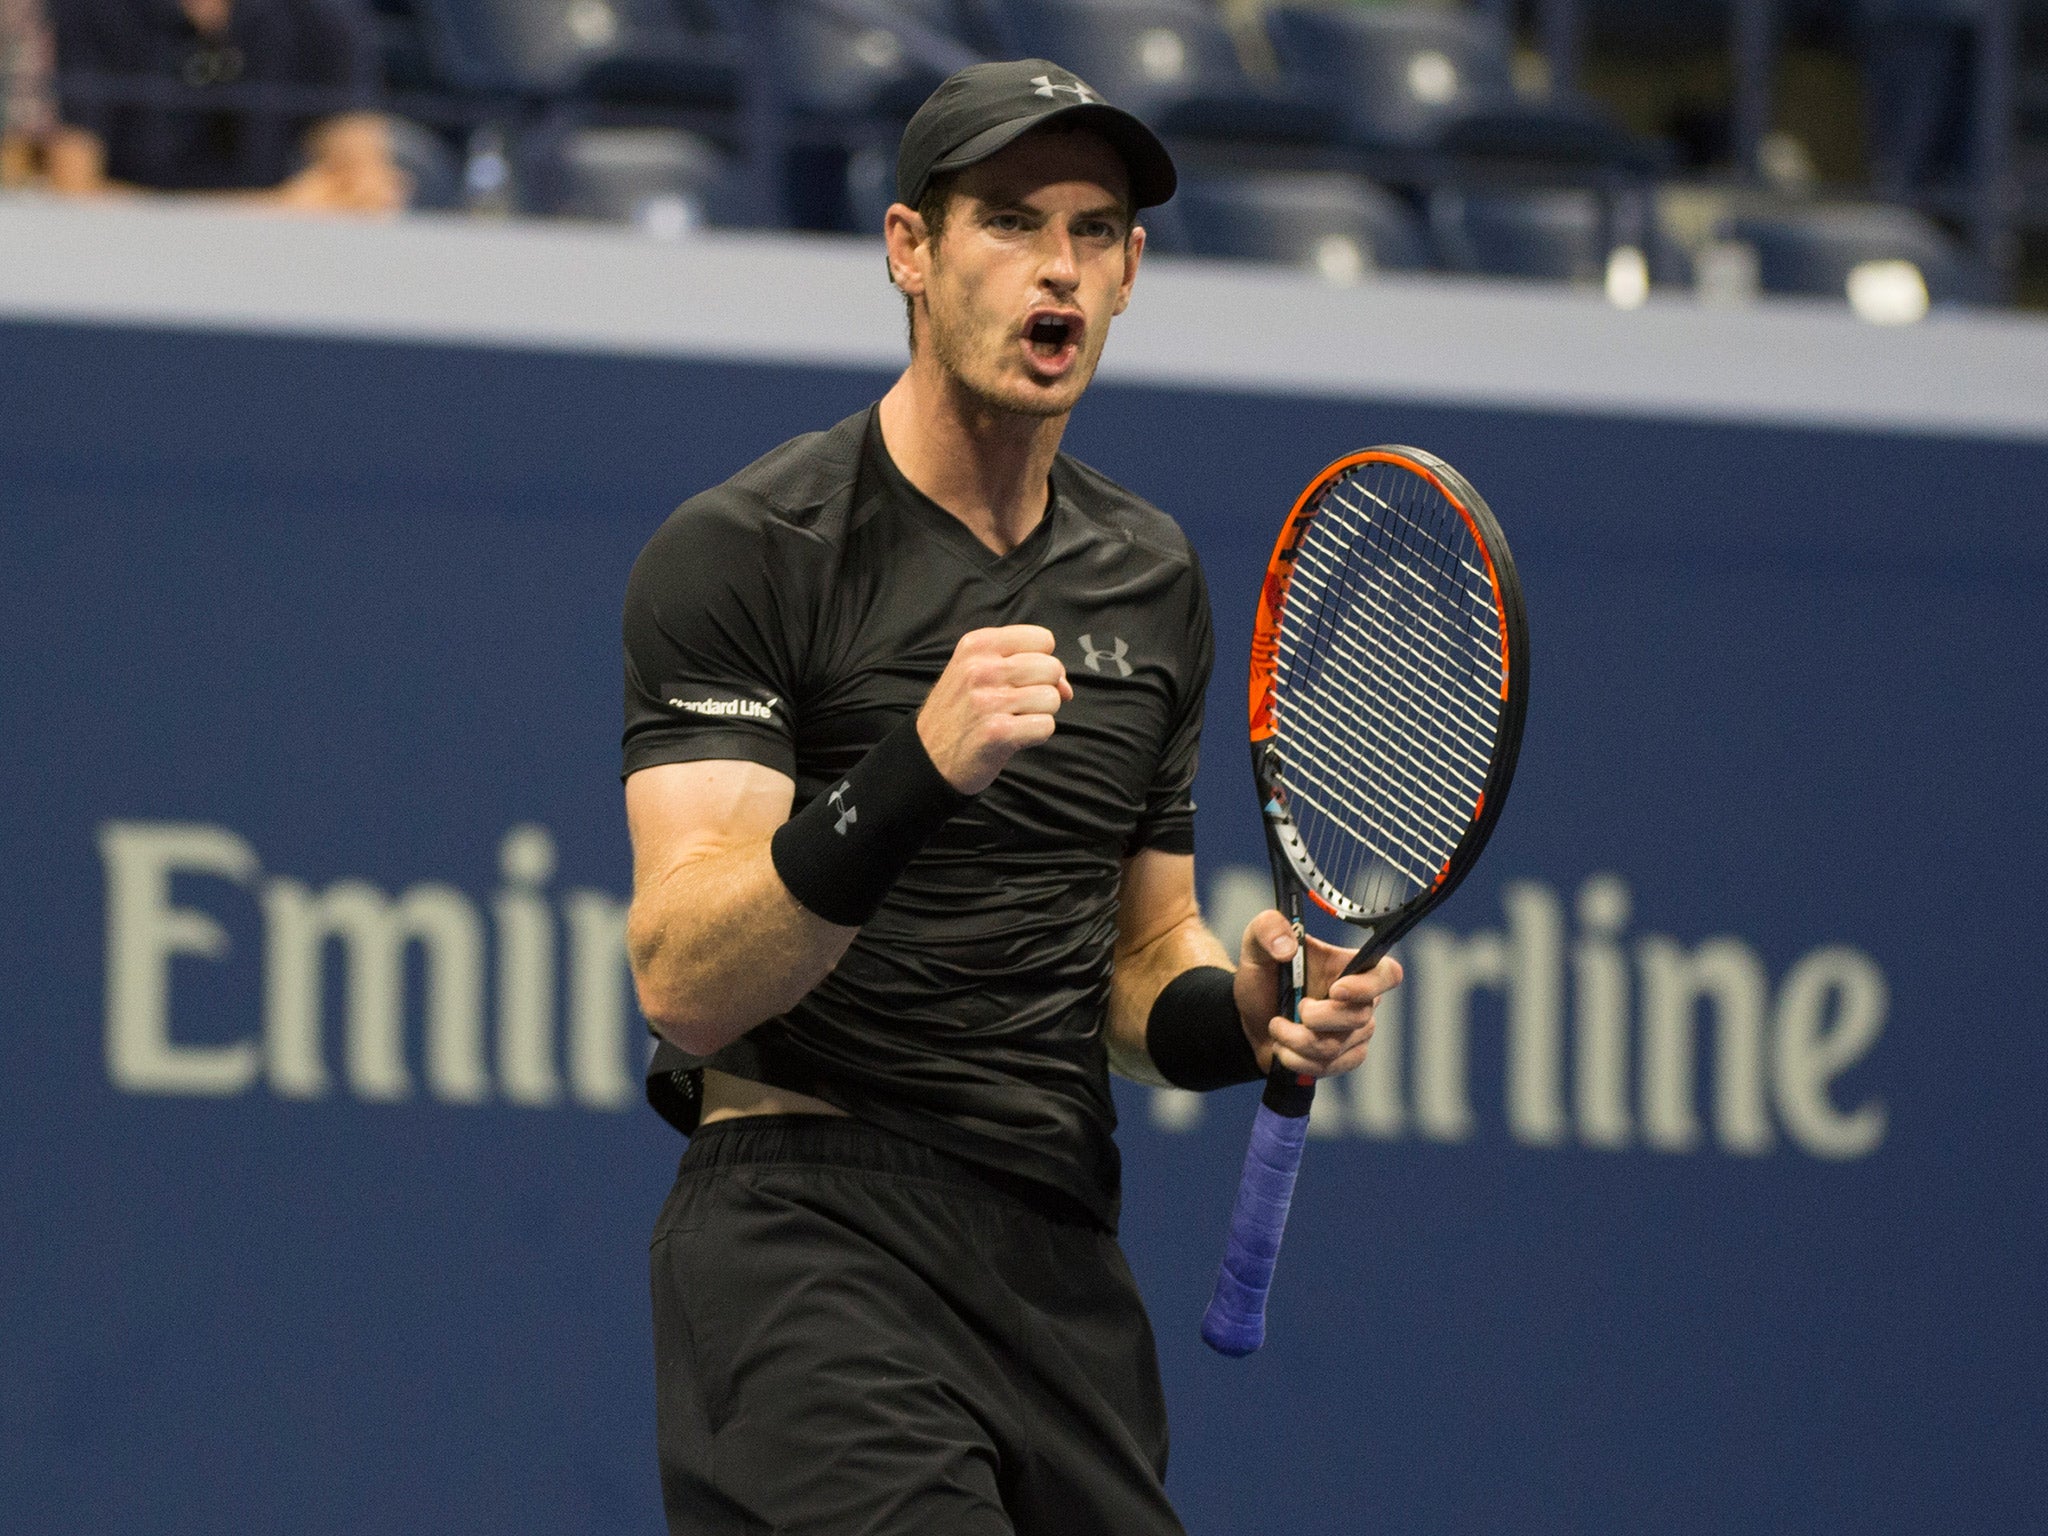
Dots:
(1336, 1015)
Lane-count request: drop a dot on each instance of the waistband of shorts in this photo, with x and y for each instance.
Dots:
(841, 1141)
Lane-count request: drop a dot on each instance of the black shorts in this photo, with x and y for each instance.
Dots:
(855, 1333)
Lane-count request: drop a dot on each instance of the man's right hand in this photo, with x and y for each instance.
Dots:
(997, 696)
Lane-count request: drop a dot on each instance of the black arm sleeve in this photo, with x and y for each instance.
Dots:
(1168, 820)
(714, 633)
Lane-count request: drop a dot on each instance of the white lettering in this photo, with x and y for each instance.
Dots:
(144, 933)
(600, 985)
(1329, 1112)
(1176, 1109)
(375, 932)
(1727, 974)
(1535, 1015)
(1828, 1015)
(1375, 1088)
(1600, 1014)
(744, 709)
(1811, 1053)
(526, 969)
(1526, 965)
(1446, 970)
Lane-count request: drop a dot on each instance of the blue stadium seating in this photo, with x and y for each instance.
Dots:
(1334, 223)
(1917, 73)
(1812, 250)
(632, 49)
(1549, 233)
(864, 58)
(2032, 86)
(433, 167)
(662, 179)
(1412, 78)
(1656, 27)
(1169, 61)
(401, 45)
(847, 74)
(870, 188)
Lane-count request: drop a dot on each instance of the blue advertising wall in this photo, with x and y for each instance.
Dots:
(1696, 1186)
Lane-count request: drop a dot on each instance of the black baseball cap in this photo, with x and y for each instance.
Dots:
(986, 107)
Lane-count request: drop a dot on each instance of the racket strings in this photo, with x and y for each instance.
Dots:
(1436, 655)
(1423, 536)
(1390, 672)
(1429, 811)
(1482, 629)
(1423, 727)
(1446, 711)
(1410, 816)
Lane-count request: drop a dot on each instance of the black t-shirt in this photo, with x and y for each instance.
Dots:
(791, 617)
(323, 47)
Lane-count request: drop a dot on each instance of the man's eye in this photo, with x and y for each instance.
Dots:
(1005, 221)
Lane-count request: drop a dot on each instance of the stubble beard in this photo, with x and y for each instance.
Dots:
(955, 353)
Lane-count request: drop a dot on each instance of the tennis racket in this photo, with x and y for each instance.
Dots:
(1389, 679)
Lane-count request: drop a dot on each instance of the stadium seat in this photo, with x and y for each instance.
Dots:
(870, 188)
(864, 58)
(1169, 61)
(1657, 28)
(1335, 224)
(1415, 78)
(1550, 232)
(2031, 89)
(1815, 251)
(603, 49)
(664, 180)
(1918, 81)
(401, 46)
(428, 161)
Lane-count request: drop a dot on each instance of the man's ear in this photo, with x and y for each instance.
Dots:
(1134, 249)
(904, 234)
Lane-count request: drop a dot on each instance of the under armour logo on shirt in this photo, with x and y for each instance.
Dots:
(847, 813)
(1118, 649)
(1047, 88)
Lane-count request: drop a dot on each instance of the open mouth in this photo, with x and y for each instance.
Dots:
(1049, 336)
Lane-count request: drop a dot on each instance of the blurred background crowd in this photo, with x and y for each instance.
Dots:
(1890, 154)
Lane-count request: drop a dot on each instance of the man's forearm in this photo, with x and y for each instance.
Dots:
(719, 945)
(1140, 976)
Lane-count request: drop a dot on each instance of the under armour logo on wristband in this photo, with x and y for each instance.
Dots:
(1119, 648)
(847, 813)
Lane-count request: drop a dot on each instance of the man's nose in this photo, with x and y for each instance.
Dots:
(1060, 269)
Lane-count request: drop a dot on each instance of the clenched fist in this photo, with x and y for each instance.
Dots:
(997, 696)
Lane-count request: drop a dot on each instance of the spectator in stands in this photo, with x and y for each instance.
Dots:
(291, 84)
(27, 110)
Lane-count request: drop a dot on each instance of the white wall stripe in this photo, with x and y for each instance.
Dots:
(1191, 324)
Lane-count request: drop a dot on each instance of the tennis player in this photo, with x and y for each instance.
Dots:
(912, 708)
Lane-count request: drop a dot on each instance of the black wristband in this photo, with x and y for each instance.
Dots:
(1195, 1036)
(840, 854)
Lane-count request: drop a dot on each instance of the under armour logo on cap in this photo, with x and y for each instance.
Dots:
(1047, 87)
(1118, 649)
(980, 110)
(847, 813)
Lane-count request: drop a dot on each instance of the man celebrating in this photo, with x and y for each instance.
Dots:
(887, 1294)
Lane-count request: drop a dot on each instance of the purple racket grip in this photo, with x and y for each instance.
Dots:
(1235, 1323)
